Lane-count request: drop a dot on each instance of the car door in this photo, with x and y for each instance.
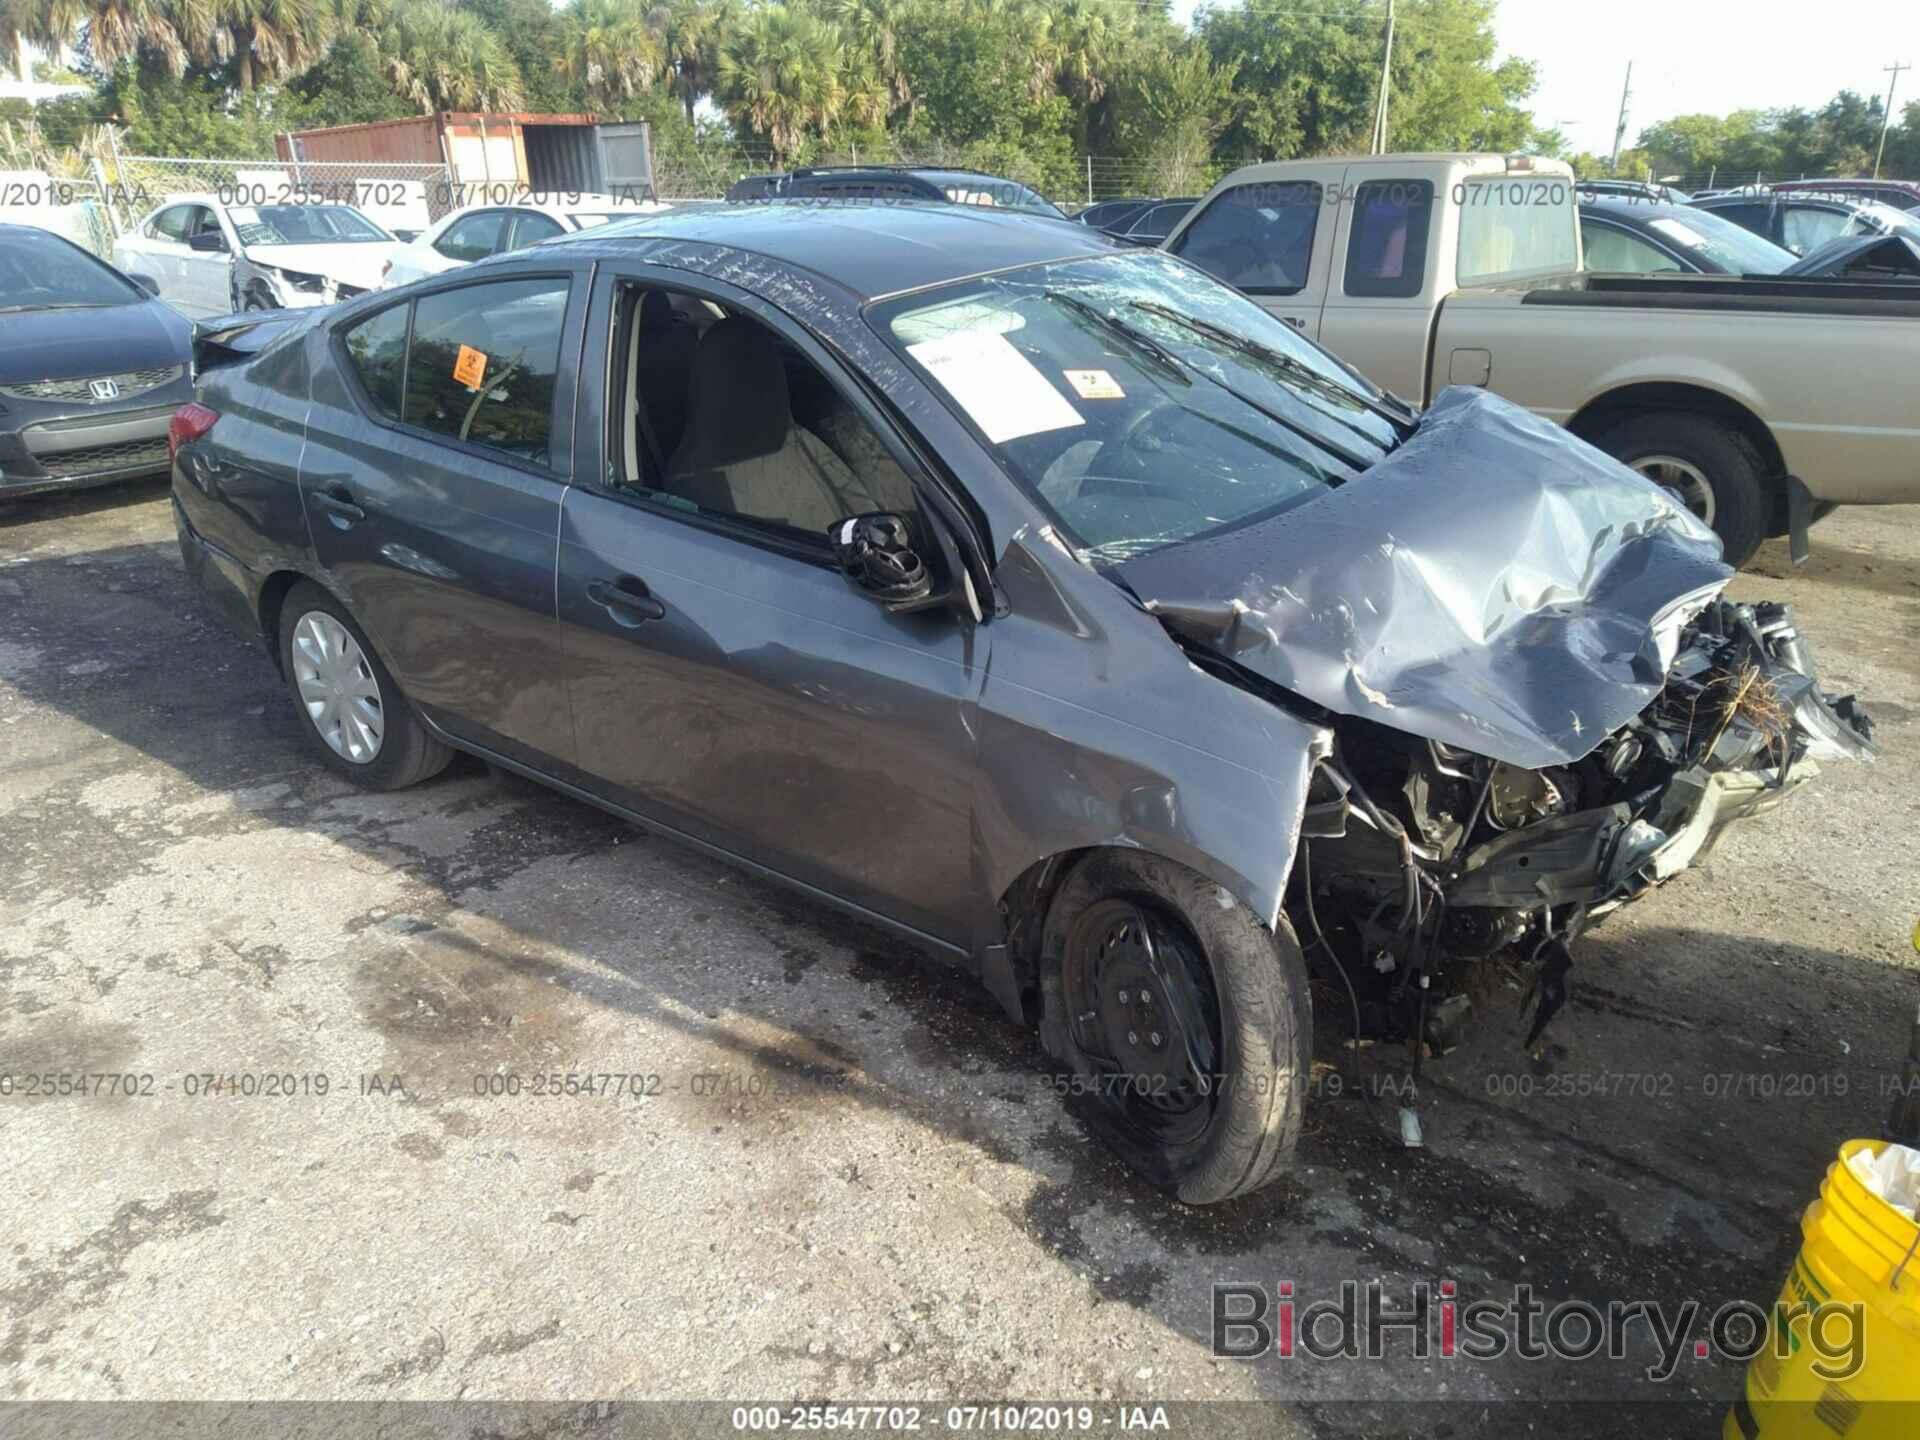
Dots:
(438, 447)
(206, 281)
(727, 681)
(1271, 240)
(157, 250)
(474, 237)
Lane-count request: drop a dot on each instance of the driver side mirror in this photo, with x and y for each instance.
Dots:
(208, 242)
(146, 284)
(875, 552)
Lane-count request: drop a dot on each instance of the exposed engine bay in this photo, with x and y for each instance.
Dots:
(1420, 856)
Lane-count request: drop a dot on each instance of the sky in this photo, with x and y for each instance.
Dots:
(1692, 56)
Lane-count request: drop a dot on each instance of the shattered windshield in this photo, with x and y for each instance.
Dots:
(304, 225)
(1142, 401)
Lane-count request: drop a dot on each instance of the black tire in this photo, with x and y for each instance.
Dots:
(1259, 1013)
(1742, 505)
(407, 753)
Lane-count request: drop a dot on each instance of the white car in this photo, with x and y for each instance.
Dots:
(206, 257)
(477, 231)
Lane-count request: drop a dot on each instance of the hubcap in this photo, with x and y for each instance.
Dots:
(337, 687)
(1145, 1016)
(1686, 480)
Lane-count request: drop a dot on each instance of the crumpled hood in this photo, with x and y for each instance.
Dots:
(356, 263)
(110, 340)
(1494, 584)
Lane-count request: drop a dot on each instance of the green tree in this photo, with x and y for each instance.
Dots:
(441, 58)
(533, 33)
(1170, 108)
(612, 49)
(779, 75)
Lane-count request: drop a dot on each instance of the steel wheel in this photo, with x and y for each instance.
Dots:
(1686, 480)
(337, 687)
(1144, 1014)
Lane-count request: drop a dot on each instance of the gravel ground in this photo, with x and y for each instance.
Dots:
(850, 1179)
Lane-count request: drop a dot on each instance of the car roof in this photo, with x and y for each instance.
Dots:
(1625, 207)
(868, 250)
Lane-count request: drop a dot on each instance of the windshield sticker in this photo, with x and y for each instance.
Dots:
(470, 367)
(243, 215)
(1094, 384)
(996, 385)
(1679, 230)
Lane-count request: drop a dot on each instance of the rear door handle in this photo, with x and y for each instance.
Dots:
(339, 506)
(628, 600)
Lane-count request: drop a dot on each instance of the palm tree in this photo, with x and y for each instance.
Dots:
(441, 58)
(614, 49)
(781, 73)
(270, 39)
(112, 30)
(691, 33)
(874, 27)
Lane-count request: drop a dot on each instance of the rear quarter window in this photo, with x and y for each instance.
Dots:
(377, 351)
(1387, 251)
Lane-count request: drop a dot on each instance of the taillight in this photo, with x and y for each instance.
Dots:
(189, 422)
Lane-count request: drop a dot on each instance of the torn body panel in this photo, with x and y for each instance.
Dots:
(1542, 708)
(1490, 584)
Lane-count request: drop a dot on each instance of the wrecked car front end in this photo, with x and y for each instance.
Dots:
(1541, 703)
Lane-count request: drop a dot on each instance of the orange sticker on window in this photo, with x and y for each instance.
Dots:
(470, 367)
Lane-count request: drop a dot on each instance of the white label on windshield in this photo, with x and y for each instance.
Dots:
(995, 384)
(1679, 230)
(244, 215)
(1095, 384)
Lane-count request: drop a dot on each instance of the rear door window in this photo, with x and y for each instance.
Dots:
(483, 364)
(1387, 250)
(474, 237)
(1257, 238)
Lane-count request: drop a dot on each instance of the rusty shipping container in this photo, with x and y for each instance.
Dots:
(492, 155)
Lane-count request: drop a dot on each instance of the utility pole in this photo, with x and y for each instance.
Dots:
(1620, 129)
(1887, 118)
(1386, 74)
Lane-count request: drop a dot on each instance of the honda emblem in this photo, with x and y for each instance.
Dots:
(104, 389)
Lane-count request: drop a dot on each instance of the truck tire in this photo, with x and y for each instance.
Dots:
(1198, 1077)
(1709, 466)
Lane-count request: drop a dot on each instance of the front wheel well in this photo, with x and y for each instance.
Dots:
(1606, 410)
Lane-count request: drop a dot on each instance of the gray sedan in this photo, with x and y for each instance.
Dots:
(1053, 606)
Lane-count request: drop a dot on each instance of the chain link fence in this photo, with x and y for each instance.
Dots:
(403, 198)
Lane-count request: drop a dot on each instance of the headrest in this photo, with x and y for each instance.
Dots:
(656, 311)
(737, 400)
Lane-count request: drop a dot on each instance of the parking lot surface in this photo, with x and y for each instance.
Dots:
(786, 1156)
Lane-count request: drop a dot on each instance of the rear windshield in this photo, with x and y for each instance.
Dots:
(39, 271)
(1514, 226)
(1143, 402)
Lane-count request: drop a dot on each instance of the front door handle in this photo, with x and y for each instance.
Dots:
(338, 505)
(627, 600)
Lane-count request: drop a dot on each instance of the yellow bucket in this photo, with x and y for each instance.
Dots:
(1843, 1355)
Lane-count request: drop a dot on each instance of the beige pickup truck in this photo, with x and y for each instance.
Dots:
(1762, 403)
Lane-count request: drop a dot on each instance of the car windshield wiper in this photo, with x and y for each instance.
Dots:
(1142, 341)
(1296, 370)
(1136, 340)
